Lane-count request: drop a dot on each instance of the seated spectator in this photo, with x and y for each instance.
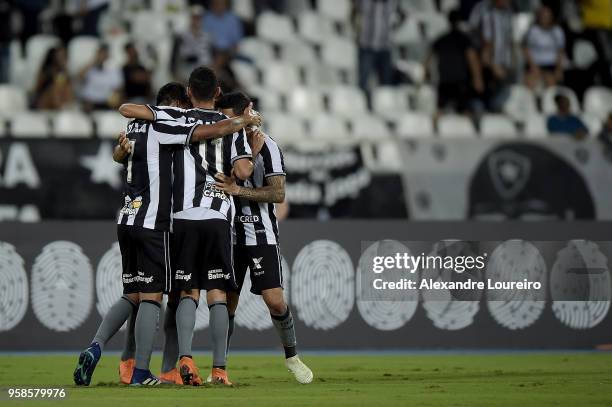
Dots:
(564, 122)
(53, 89)
(192, 48)
(544, 46)
(224, 27)
(497, 53)
(606, 134)
(90, 12)
(136, 78)
(100, 84)
(458, 67)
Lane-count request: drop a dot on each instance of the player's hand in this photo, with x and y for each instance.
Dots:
(124, 143)
(252, 117)
(257, 142)
(227, 184)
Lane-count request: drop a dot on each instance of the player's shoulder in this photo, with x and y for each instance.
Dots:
(270, 143)
(206, 114)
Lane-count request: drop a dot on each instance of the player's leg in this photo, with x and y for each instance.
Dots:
(126, 365)
(169, 372)
(219, 328)
(185, 254)
(116, 316)
(267, 280)
(241, 266)
(153, 277)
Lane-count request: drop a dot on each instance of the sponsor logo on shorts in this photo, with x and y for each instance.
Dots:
(181, 275)
(216, 274)
(140, 278)
(247, 218)
(257, 263)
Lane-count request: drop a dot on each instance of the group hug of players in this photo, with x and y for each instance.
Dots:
(201, 181)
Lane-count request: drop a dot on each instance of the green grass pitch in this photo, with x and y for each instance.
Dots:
(515, 379)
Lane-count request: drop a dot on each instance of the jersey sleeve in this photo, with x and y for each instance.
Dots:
(167, 112)
(240, 147)
(172, 132)
(274, 163)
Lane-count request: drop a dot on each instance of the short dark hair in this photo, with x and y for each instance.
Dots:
(237, 101)
(172, 92)
(454, 17)
(561, 97)
(203, 83)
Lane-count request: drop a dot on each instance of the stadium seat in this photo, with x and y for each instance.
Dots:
(299, 53)
(388, 156)
(81, 51)
(520, 104)
(305, 102)
(244, 9)
(116, 47)
(456, 126)
(419, 6)
(328, 127)
(71, 124)
(408, 32)
(245, 72)
(584, 54)
(593, 123)
(322, 76)
(280, 76)
(347, 101)
(548, 99)
(497, 126)
(296, 7)
(109, 123)
(337, 10)
(30, 124)
(369, 128)
(149, 26)
(275, 28)
(598, 102)
(314, 27)
(12, 99)
(257, 50)
(340, 53)
(35, 51)
(535, 127)
(285, 129)
(390, 101)
(448, 5)
(426, 99)
(435, 25)
(520, 25)
(2, 128)
(170, 6)
(415, 125)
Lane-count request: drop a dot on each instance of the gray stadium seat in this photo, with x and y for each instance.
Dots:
(268, 100)
(347, 101)
(388, 157)
(322, 76)
(299, 53)
(408, 32)
(109, 123)
(12, 99)
(419, 6)
(598, 101)
(548, 99)
(337, 10)
(521, 103)
(245, 72)
(71, 124)
(328, 127)
(259, 51)
(369, 128)
(275, 27)
(390, 101)
(30, 124)
(426, 99)
(244, 9)
(593, 123)
(414, 125)
(520, 25)
(81, 51)
(35, 51)
(535, 126)
(497, 126)
(281, 76)
(149, 26)
(340, 53)
(284, 128)
(584, 53)
(314, 27)
(305, 102)
(456, 126)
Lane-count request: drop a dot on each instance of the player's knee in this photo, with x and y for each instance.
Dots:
(276, 305)
(195, 294)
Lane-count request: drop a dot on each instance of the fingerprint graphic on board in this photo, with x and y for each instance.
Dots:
(252, 312)
(382, 309)
(515, 260)
(451, 310)
(13, 287)
(62, 286)
(323, 286)
(109, 286)
(580, 285)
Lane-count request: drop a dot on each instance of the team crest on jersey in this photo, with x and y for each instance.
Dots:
(130, 206)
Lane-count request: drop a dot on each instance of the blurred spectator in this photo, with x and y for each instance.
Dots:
(458, 67)
(136, 78)
(564, 122)
(100, 84)
(30, 12)
(224, 27)
(53, 90)
(374, 20)
(90, 12)
(544, 49)
(5, 39)
(498, 55)
(597, 23)
(606, 134)
(192, 48)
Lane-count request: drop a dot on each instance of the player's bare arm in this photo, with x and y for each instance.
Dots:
(203, 132)
(273, 192)
(122, 149)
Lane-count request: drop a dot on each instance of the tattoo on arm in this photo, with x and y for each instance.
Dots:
(274, 192)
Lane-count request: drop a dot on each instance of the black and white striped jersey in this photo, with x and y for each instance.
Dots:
(148, 172)
(255, 223)
(195, 166)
